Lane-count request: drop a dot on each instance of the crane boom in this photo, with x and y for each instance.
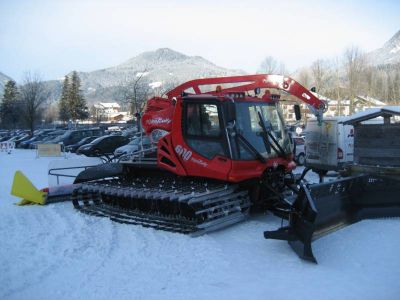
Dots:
(251, 82)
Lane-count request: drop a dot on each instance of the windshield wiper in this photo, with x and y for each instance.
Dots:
(251, 147)
(277, 147)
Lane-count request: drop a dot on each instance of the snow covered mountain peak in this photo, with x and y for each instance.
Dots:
(394, 43)
(161, 66)
(157, 57)
(388, 54)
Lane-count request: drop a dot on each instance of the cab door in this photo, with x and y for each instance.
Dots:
(205, 151)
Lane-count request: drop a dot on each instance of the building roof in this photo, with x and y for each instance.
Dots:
(322, 97)
(371, 100)
(372, 113)
(121, 113)
(109, 104)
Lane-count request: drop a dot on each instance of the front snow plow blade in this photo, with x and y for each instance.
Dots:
(322, 208)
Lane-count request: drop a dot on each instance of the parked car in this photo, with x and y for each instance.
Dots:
(22, 138)
(72, 148)
(47, 138)
(4, 135)
(11, 138)
(5, 138)
(299, 150)
(130, 133)
(73, 136)
(37, 136)
(134, 145)
(19, 138)
(104, 145)
(25, 144)
(41, 140)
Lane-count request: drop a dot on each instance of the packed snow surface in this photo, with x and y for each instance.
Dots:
(55, 252)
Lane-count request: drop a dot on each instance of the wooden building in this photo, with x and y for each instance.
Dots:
(376, 137)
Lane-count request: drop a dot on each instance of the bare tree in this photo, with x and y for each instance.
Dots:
(337, 67)
(320, 71)
(51, 113)
(354, 61)
(166, 87)
(269, 65)
(96, 114)
(135, 92)
(368, 79)
(282, 68)
(33, 99)
(397, 87)
(304, 77)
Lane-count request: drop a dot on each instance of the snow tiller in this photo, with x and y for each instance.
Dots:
(222, 149)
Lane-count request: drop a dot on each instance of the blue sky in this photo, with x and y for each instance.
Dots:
(55, 37)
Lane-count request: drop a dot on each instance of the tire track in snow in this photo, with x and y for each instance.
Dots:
(162, 261)
(74, 252)
(31, 264)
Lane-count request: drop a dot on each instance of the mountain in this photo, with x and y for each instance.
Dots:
(388, 54)
(162, 66)
(3, 80)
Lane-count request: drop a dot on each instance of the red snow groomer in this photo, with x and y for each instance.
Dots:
(223, 149)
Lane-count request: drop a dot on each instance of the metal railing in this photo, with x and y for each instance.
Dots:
(58, 175)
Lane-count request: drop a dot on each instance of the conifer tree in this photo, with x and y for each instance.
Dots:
(9, 107)
(77, 104)
(64, 110)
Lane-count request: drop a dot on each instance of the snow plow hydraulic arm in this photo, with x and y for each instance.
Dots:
(251, 82)
(322, 208)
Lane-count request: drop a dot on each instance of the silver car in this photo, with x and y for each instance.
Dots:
(133, 146)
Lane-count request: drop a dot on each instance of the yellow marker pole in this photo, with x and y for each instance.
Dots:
(23, 188)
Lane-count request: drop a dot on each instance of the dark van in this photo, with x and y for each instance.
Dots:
(73, 136)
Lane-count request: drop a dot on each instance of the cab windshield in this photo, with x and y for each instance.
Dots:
(249, 116)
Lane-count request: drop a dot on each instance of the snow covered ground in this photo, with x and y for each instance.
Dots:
(55, 252)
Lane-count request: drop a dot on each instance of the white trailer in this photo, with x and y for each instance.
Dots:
(329, 145)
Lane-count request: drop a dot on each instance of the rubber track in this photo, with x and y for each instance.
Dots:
(193, 206)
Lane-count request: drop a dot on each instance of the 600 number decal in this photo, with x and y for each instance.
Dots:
(183, 152)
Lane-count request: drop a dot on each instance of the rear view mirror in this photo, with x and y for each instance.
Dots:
(297, 112)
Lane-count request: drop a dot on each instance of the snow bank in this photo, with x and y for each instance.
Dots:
(54, 252)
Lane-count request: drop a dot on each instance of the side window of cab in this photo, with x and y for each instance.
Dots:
(202, 129)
